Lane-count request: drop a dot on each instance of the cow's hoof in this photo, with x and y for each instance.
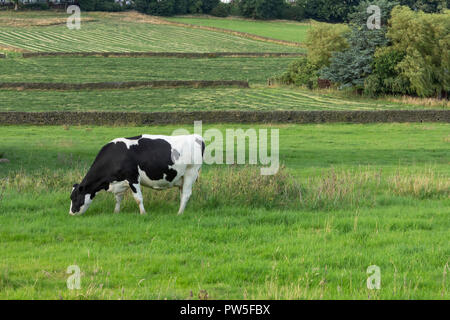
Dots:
(143, 213)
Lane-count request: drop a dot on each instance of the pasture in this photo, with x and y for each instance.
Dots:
(188, 99)
(347, 196)
(98, 69)
(283, 30)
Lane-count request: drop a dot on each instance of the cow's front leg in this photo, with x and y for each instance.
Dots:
(137, 194)
(119, 197)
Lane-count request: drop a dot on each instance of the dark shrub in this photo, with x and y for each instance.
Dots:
(221, 10)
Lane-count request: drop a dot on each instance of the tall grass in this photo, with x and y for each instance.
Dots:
(244, 187)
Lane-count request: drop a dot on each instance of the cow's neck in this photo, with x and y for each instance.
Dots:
(93, 184)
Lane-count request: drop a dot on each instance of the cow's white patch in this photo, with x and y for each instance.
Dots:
(127, 142)
(84, 207)
(87, 203)
(118, 186)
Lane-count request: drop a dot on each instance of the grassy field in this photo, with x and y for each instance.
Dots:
(98, 69)
(282, 30)
(187, 99)
(118, 33)
(348, 196)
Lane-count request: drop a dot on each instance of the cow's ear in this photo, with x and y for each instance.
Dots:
(80, 188)
(75, 185)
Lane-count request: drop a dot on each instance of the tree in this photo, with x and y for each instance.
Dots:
(322, 40)
(424, 39)
(208, 5)
(352, 66)
(262, 9)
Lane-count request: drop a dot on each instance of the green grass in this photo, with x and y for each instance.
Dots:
(188, 99)
(99, 69)
(282, 30)
(371, 194)
(120, 35)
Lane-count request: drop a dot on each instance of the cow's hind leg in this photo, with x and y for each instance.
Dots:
(137, 194)
(186, 189)
(119, 197)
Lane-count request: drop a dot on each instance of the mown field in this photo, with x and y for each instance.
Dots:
(99, 69)
(188, 99)
(283, 30)
(118, 33)
(347, 196)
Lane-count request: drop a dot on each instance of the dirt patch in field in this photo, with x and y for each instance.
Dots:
(133, 16)
(12, 49)
(34, 22)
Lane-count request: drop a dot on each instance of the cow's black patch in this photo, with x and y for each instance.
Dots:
(115, 162)
(202, 144)
(135, 138)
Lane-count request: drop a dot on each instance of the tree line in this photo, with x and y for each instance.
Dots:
(320, 10)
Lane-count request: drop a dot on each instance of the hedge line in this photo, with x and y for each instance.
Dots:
(163, 54)
(122, 85)
(157, 118)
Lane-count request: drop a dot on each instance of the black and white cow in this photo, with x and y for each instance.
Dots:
(154, 161)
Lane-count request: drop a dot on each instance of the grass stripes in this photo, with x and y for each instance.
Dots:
(164, 54)
(112, 36)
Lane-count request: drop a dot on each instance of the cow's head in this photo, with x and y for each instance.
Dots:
(80, 200)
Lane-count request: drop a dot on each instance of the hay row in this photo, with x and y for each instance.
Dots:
(160, 118)
(124, 85)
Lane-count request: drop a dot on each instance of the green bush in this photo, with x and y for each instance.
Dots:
(293, 12)
(323, 39)
(301, 73)
(425, 43)
(385, 77)
(221, 10)
(87, 5)
(36, 6)
(262, 9)
(209, 5)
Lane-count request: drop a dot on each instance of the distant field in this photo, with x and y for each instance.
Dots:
(99, 69)
(282, 30)
(121, 34)
(349, 196)
(187, 99)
